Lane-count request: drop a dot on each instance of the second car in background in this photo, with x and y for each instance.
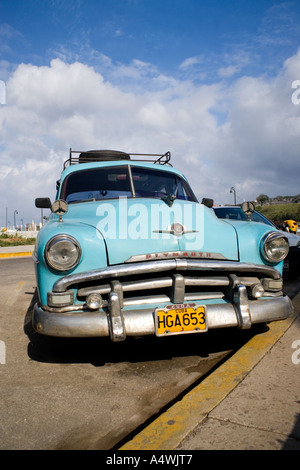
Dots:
(235, 213)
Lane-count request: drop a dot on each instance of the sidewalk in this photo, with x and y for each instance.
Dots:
(251, 402)
(16, 251)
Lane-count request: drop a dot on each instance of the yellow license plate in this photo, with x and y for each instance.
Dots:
(177, 319)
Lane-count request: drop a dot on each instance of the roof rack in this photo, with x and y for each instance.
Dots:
(78, 156)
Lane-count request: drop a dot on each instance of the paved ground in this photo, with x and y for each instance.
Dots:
(250, 402)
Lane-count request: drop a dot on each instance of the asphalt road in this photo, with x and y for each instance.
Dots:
(88, 393)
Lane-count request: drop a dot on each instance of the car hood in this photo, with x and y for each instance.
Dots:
(139, 229)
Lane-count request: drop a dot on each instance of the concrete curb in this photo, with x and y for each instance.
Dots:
(14, 255)
(168, 431)
(16, 251)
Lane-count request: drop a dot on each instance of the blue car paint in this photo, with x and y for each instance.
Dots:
(250, 235)
(235, 241)
(226, 239)
(91, 244)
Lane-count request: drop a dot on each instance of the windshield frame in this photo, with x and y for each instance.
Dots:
(131, 174)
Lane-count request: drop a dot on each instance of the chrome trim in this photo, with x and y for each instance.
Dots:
(127, 286)
(69, 308)
(140, 322)
(172, 230)
(131, 181)
(178, 289)
(58, 238)
(149, 299)
(273, 294)
(132, 301)
(34, 256)
(161, 266)
(240, 300)
(157, 299)
(115, 319)
(57, 295)
(175, 255)
(157, 283)
(266, 238)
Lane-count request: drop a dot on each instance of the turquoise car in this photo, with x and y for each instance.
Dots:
(129, 251)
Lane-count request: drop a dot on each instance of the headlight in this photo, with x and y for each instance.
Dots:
(274, 247)
(62, 252)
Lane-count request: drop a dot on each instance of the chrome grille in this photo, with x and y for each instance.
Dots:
(176, 288)
(175, 280)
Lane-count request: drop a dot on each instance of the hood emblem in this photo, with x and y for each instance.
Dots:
(175, 229)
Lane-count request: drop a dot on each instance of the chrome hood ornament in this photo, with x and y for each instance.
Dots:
(175, 229)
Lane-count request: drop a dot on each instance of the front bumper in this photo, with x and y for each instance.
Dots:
(225, 288)
(140, 322)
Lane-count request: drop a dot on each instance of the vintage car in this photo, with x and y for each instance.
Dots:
(129, 251)
(236, 213)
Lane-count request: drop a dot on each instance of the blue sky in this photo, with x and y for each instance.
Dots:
(165, 33)
(209, 80)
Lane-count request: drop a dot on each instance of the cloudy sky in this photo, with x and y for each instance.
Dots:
(216, 82)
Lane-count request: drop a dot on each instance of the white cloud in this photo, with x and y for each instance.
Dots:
(189, 62)
(225, 72)
(245, 134)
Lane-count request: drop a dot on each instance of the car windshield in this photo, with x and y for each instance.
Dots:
(122, 181)
(236, 213)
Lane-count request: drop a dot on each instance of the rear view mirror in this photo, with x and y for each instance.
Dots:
(43, 203)
(207, 202)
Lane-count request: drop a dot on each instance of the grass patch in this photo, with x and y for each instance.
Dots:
(280, 212)
(11, 240)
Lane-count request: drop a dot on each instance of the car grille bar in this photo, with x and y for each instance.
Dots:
(163, 266)
(155, 283)
(174, 289)
(165, 281)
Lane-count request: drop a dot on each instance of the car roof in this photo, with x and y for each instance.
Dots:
(107, 164)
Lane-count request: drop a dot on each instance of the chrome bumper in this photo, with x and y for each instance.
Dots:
(119, 323)
(120, 317)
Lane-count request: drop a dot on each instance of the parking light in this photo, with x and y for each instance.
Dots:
(94, 301)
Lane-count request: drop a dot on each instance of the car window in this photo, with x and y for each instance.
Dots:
(96, 184)
(114, 182)
(155, 183)
(256, 217)
(236, 213)
(230, 213)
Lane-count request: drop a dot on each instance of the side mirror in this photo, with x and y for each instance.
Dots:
(43, 203)
(207, 202)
